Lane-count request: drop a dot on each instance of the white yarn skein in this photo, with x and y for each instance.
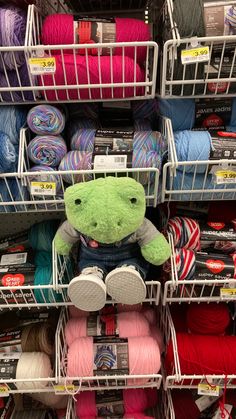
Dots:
(33, 365)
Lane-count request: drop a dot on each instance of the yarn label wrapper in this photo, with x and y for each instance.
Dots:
(227, 412)
(195, 55)
(45, 65)
(223, 147)
(225, 177)
(110, 356)
(8, 366)
(212, 114)
(102, 325)
(13, 280)
(110, 403)
(228, 293)
(217, 232)
(113, 149)
(13, 259)
(10, 341)
(43, 188)
(93, 31)
(212, 266)
(17, 241)
(208, 390)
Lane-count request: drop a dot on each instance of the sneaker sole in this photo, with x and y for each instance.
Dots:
(126, 286)
(87, 294)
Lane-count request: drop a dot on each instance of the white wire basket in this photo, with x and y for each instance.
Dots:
(179, 380)
(62, 277)
(177, 186)
(74, 385)
(31, 85)
(195, 290)
(167, 407)
(214, 77)
(108, 6)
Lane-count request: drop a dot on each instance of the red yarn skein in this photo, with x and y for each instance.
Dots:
(184, 405)
(208, 319)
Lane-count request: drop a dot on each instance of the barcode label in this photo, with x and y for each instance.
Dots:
(102, 162)
(13, 259)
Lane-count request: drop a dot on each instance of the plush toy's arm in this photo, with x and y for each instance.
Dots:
(65, 237)
(154, 247)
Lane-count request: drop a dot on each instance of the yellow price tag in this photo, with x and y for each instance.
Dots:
(4, 390)
(228, 293)
(208, 390)
(43, 188)
(194, 55)
(42, 65)
(225, 176)
(60, 388)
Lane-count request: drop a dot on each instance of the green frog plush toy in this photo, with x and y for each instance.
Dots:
(117, 242)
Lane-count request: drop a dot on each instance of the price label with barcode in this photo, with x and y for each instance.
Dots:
(228, 293)
(195, 55)
(45, 65)
(4, 390)
(13, 259)
(43, 188)
(225, 177)
(208, 390)
(62, 389)
(102, 162)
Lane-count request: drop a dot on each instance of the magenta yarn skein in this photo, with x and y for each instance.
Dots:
(128, 324)
(80, 67)
(143, 352)
(59, 29)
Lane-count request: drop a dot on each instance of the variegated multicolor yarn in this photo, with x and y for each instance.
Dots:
(46, 119)
(50, 176)
(185, 263)
(185, 232)
(47, 149)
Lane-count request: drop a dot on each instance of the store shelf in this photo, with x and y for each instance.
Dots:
(104, 382)
(215, 77)
(194, 290)
(178, 186)
(179, 380)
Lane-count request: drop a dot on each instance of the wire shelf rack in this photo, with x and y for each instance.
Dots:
(104, 382)
(182, 182)
(216, 76)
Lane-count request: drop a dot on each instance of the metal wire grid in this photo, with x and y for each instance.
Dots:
(105, 382)
(179, 380)
(105, 6)
(174, 168)
(216, 77)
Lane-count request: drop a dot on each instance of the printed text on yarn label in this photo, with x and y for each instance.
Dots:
(14, 259)
(93, 31)
(43, 188)
(110, 356)
(208, 390)
(42, 65)
(110, 403)
(102, 325)
(194, 55)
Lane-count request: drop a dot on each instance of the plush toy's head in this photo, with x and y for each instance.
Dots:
(106, 209)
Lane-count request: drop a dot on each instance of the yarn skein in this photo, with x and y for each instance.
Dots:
(8, 156)
(135, 400)
(185, 232)
(208, 319)
(47, 150)
(46, 119)
(47, 174)
(33, 365)
(143, 354)
(128, 325)
(59, 29)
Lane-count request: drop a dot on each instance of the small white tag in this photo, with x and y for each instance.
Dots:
(227, 411)
(14, 259)
(195, 55)
(110, 162)
(207, 390)
(45, 65)
(204, 402)
(43, 188)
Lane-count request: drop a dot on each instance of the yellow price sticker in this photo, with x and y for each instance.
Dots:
(228, 293)
(60, 388)
(43, 188)
(208, 390)
(225, 176)
(42, 65)
(4, 390)
(194, 55)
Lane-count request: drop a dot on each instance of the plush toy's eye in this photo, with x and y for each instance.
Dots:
(133, 200)
(78, 201)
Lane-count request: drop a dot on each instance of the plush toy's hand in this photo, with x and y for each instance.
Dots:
(156, 251)
(62, 247)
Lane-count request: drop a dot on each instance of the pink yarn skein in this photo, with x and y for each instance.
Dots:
(129, 325)
(58, 29)
(143, 352)
(127, 416)
(76, 74)
(147, 311)
(135, 400)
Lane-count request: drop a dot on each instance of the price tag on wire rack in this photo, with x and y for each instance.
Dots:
(208, 390)
(62, 389)
(45, 65)
(225, 177)
(195, 55)
(228, 293)
(4, 390)
(43, 188)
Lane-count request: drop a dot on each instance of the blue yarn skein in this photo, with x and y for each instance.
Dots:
(41, 235)
(12, 119)
(8, 157)
(43, 276)
(180, 111)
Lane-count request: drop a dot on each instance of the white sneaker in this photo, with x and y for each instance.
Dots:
(88, 291)
(125, 285)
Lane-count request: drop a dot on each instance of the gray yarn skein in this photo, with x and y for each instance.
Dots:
(189, 18)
